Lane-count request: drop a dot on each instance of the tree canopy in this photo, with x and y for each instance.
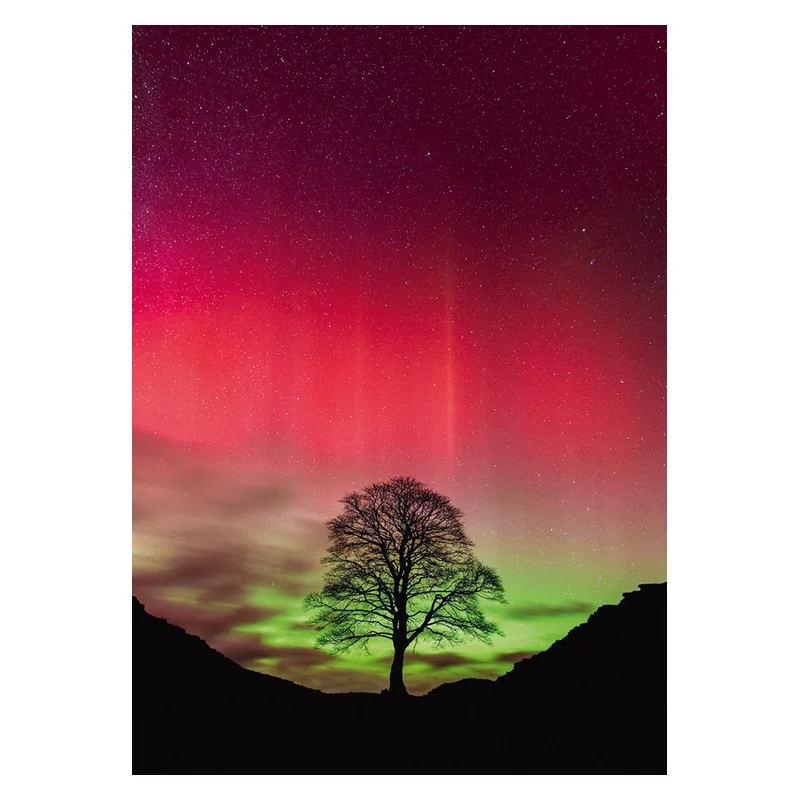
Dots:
(400, 567)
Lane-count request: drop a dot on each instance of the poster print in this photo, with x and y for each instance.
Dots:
(399, 401)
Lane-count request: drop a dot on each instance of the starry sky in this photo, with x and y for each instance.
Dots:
(361, 252)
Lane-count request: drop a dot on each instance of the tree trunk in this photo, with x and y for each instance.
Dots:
(396, 685)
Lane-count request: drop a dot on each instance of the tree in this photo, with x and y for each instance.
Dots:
(401, 568)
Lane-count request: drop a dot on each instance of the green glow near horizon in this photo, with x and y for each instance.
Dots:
(545, 601)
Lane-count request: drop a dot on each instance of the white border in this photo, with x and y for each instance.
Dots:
(732, 393)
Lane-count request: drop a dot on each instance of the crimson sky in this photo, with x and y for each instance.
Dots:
(361, 252)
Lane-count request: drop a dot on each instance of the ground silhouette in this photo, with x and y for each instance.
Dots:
(593, 703)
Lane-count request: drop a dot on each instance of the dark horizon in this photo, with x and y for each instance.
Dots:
(593, 703)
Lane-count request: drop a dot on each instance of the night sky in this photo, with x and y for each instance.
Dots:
(361, 252)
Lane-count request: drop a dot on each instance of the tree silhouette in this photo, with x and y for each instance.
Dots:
(400, 567)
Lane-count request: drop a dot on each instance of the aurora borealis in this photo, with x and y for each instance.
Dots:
(368, 252)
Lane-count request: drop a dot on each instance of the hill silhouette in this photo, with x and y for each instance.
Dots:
(593, 703)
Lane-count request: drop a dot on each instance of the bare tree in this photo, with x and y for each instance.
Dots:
(400, 567)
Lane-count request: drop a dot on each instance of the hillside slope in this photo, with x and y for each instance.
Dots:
(593, 703)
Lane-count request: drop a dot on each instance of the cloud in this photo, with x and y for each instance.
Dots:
(340, 680)
(215, 530)
(246, 499)
(440, 660)
(248, 648)
(139, 511)
(214, 572)
(209, 622)
(512, 658)
(541, 610)
(488, 665)
(175, 478)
